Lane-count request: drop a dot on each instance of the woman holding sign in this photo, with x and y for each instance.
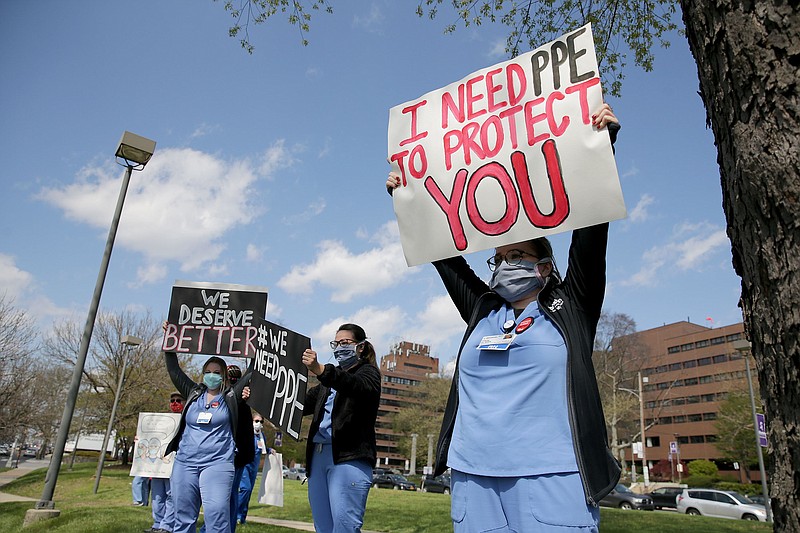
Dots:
(523, 431)
(341, 447)
(206, 444)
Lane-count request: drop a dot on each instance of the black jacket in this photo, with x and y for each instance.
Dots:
(233, 399)
(355, 408)
(574, 306)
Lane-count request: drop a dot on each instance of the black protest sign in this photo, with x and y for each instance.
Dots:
(280, 379)
(214, 318)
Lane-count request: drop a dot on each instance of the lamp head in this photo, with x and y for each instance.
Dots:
(130, 340)
(135, 149)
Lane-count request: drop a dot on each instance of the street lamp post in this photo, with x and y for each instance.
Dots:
(130, 342)
(645, 470)
(744, 348)
(135, 151)
(640, 396)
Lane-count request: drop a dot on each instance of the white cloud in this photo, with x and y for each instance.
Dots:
(690, 248)
(202, 130)
(179, 208)
(150, 273)
(633, 170)
(13, 280)
(437, 323)
(304, 215)
(254, 253)
(498, 48)
(349, 274)
(639, 213)
(371, 20)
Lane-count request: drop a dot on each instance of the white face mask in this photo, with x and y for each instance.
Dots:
(257, 426)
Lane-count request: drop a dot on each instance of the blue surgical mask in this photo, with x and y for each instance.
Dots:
(513, 283)
(212, 380)
(346, 356)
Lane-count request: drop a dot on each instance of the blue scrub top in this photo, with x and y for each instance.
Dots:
(512, 416)
(323, 435)
(204, 444)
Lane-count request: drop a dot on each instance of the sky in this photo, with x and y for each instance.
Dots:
(269, 168)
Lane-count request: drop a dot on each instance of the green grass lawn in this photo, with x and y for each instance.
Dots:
(110, 510)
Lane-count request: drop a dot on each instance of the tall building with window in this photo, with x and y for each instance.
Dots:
(405, 366)
(689, 371)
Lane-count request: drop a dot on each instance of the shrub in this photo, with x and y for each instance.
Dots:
(702, 467)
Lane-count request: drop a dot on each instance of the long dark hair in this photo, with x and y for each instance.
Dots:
(368, 351)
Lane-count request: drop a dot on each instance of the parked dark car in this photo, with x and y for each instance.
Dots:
(624, 498)
(665, 497)
(436, 484)
(392, 481)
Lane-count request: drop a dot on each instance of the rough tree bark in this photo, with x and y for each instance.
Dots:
(748, 57)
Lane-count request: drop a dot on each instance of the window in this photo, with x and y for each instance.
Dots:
(678, 401)
(724, 498)
(662, 368)
(683, 440)
(673, 349)
(678, 419)
(703, 361)
(702, 344)
(718, 340)
(674, 366)
(690, 381)
(653, 442)
(696, 439)
(693, 399)
(690, 364)
(735, 356)
(686, 347)
(665, 420)
(719, 358)
(708, 397)
(651, 405)
(677, 383)
(706, 379)
(695, 418)
(711, 438)
(733, 337)
(664, 385)
(650, 387)
(709, 416)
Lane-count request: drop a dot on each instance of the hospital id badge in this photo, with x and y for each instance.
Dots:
(496, 342)
(204, 418)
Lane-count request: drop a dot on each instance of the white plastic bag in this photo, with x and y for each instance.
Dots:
(270, 492)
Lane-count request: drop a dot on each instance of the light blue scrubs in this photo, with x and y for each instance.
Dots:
(163, 508)
(337, 493)
(203, 471)
(512, 453)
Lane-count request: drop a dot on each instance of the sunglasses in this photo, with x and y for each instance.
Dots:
(257, 421)
(175, 400)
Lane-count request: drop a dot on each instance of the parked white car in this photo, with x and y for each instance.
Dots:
(298, 473)
(720, 503)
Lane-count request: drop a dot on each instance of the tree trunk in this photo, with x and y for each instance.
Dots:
(748, 56)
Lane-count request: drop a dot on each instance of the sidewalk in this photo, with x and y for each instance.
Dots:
(9, 476)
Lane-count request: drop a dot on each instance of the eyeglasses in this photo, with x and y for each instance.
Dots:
(175, 400)
(257, 421)
(343, 342)
(512, 257)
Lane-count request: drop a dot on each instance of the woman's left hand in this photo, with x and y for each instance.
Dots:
(603, 117)
(246, 392)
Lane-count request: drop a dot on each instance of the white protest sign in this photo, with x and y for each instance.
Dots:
(506, 154)
(153, 433)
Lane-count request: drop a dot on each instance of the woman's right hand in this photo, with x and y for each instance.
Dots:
(310, 360)
(392, 182)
